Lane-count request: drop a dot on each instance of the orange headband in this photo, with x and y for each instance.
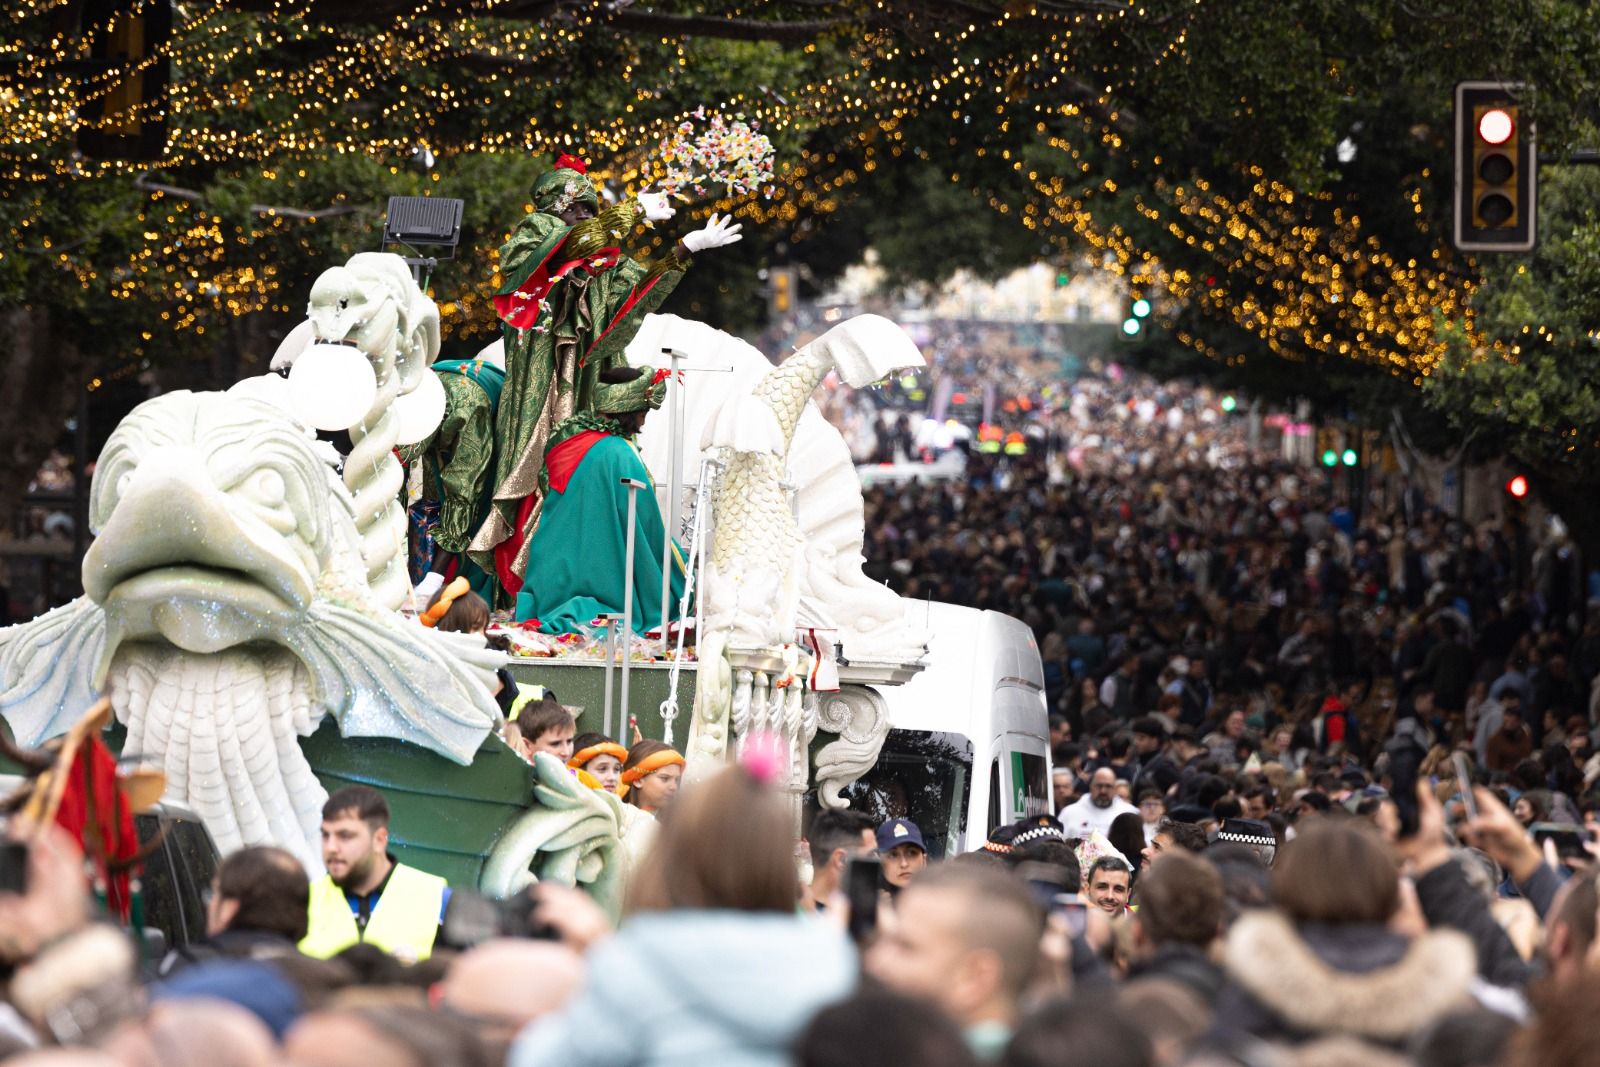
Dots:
(458, 587)
(649, 765)
(604, 748)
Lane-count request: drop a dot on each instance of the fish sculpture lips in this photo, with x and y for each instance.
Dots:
(204, 569)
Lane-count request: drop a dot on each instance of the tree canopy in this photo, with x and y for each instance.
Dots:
(1273, 174)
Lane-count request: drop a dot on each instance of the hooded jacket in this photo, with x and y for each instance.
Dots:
(1292, 984)
(693, 988)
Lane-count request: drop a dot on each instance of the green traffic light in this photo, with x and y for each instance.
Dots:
(1130, 327)
(1229, 403)
(1349, 457)
(1330, 458)
(1141, 308)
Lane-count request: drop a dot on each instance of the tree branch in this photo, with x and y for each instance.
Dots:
(735, 29)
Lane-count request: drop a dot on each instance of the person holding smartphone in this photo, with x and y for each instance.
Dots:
(834, 839)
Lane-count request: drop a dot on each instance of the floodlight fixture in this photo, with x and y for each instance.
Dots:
(424, 222)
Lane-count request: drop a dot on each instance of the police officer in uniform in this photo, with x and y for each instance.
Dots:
(369, 897)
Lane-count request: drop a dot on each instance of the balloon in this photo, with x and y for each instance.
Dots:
(332, 386)
(421, 410)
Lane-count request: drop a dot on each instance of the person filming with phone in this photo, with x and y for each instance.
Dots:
(834, 839)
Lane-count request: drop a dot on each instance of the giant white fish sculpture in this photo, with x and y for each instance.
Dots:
(227, 612)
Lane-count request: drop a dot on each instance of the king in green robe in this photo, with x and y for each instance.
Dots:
(569, 304)
(577, 561)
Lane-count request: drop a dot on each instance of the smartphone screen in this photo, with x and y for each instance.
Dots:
(13, 867)
(1074, 909)
(1568, 838)
(861, 881)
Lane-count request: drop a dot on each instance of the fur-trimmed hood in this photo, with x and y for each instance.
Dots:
(1270, 960)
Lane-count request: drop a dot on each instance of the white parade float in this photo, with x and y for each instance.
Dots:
(244, 583)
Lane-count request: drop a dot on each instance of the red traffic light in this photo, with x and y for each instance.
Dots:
(1517, 487)
(1496, 126)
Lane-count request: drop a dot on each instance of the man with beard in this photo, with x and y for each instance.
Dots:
(1098, 809)
(1108, 883)
(369, 897)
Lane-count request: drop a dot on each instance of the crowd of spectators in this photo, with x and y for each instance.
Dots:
(1323, 781)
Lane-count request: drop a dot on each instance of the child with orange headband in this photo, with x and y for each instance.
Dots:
(650, 775)
(601, 757)
(455, 608)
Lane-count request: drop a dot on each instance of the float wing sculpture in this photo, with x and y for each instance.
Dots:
(756, 561)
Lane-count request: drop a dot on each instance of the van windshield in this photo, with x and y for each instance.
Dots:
(921, 776)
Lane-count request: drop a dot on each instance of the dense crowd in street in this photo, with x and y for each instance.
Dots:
(1323, 795)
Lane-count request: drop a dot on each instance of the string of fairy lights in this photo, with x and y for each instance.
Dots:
(1299, 276)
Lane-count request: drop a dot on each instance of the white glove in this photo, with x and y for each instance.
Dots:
(715, 234)
(656, 208)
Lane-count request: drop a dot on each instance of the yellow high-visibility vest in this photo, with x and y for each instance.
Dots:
(403, 923)
(526, 694)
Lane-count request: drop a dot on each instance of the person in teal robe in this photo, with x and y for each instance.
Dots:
(577, 561)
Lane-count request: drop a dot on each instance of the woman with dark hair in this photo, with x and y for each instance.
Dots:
(1127, 837)
(1531, 807)
(713, 965)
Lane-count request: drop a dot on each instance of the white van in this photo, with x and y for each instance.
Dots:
(968, 748)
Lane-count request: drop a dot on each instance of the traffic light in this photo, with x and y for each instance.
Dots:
(1228, 404)
(1330, 458)
(1133, 325)
(1517, 486)
(1497, 169)
(1349, 457)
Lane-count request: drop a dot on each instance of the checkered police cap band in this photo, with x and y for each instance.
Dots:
(1038, 833)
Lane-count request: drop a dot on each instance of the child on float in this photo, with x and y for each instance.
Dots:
(455, 608)
(601, 757)
(651, 775)
(542, 725)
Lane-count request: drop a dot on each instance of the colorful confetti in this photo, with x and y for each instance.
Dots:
(732, 153)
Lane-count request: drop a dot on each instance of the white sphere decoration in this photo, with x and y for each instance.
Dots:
(269, 389)
(332, 386)
(421, 410)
